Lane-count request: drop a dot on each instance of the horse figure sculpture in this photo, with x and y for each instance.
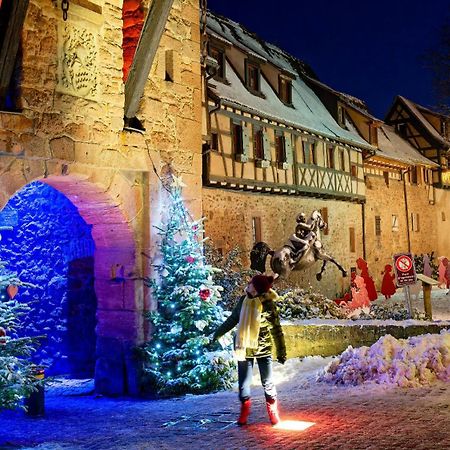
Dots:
(293, 257)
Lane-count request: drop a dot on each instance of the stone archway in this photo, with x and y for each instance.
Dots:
(119, 319)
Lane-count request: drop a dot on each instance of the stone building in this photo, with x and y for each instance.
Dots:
(273, 150)
(400, 212)
(77, 182)
(92, 124)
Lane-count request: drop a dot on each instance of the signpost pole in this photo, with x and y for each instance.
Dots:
(408, 301)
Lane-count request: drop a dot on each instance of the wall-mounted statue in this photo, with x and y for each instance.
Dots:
(300, 251)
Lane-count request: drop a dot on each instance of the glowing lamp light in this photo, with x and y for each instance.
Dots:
(293, 425)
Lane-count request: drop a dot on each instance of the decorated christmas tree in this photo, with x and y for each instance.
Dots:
(180, 358)
(16, 371)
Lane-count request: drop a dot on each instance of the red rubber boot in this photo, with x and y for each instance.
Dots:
(245, 412)
(272, 410)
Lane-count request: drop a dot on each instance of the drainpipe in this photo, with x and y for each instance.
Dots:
(363, 216)
(404, 172)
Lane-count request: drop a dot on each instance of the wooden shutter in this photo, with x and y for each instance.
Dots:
(245, 141)
(266, 146)
(324, 213)
(352, 240)
(288, 149)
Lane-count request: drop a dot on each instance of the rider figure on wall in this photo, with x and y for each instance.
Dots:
(302, 249)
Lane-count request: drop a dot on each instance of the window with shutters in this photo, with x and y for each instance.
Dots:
(214, 142)
(341, 116)
(413, 175)
(354, 170)
(352, 240)
(285, 90)
(258, 143)
(261, 147)
(342, 160)
(280, 147)
(394, 222)
(377, 226)
(309, 152)
(240, 141)
(219, 56)
(330, 156)
(373, 134)
(324, 214)
(256, 229)
(252, 77)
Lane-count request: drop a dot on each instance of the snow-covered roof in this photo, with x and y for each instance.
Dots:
(307, 111)
(415, 111)
(392, 146)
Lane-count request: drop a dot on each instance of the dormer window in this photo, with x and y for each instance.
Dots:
(341, 116)
(285, 90)
(402, 129)
(373, 134)
(219, 56)
(252, 77)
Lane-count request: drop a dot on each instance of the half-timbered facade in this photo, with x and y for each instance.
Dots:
(400, 212)
(427, 131)
(270, 141)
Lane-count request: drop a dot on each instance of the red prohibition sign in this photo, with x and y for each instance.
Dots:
(404, 263)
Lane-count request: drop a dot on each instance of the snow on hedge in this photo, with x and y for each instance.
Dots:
(418, 360)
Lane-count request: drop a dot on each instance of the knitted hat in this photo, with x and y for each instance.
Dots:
(262, 283)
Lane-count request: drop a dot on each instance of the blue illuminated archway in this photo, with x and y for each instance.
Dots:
(51, 247)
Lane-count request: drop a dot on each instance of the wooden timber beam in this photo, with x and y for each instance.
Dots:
(10, 43)
(145, 54)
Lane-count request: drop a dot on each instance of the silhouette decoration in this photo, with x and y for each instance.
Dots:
(388, 287)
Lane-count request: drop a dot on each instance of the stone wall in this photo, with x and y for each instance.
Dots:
(388, 201)
(229, 222)
(442, 221)
(303, 339)
(71, 128)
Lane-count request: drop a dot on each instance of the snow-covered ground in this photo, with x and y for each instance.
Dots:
(440, 301)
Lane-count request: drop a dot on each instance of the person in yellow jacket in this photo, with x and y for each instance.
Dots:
(257, 319)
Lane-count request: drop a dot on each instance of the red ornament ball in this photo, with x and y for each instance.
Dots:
(190, 259)
(205, 294)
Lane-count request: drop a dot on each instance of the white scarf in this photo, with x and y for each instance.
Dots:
(248, 327)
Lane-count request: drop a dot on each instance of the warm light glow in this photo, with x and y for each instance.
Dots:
(293, 425)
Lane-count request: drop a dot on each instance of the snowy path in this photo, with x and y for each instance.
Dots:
(361, 417)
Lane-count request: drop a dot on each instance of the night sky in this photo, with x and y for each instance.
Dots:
(372, 50)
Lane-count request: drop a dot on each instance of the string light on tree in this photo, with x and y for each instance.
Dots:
(179, 357)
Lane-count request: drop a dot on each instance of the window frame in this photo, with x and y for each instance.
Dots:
(282, 80)
(251, 64)
(280, 152)
(221, 73)
(331, 153)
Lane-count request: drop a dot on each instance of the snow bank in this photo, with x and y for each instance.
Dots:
(419, 360)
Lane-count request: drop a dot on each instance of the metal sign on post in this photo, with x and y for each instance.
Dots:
(405, 275)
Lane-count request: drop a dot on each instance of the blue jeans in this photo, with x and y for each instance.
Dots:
(245, 372)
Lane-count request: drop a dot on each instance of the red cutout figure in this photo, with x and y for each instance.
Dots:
(360, 296)
(387, 286)
(368, 280)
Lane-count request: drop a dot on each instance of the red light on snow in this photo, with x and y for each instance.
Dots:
(293, 425)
